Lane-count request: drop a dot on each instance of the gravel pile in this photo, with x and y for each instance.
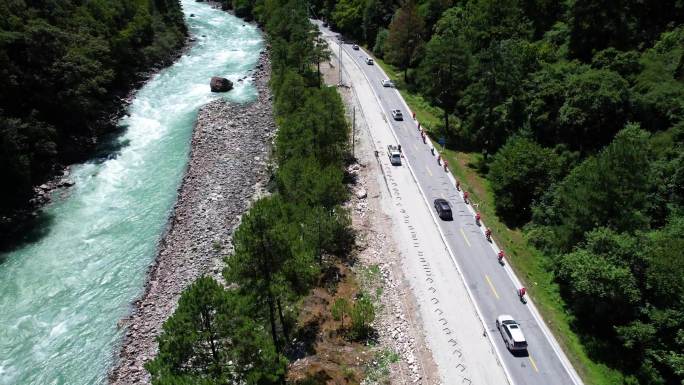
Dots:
(228, 166)
(394, 323)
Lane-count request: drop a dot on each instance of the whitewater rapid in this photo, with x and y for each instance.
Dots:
(63, 293)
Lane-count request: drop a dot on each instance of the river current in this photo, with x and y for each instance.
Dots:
(62, 294)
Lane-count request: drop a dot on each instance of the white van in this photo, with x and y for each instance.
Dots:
(512, 334)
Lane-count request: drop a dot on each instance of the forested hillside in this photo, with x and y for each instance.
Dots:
(577, 108)
(64, 64)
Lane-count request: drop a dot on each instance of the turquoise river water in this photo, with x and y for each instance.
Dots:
(62, 294)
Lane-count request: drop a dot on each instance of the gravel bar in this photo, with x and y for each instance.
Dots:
(231, 144)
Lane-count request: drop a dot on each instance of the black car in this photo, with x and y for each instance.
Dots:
(443, 209)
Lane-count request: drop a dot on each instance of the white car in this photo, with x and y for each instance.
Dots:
(511, 332)
(369, 61)
(387, 83)
(355, 47)
(396, 114)
(394, 154)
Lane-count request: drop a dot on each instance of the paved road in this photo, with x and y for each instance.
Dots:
(491, 286)
(445, 313)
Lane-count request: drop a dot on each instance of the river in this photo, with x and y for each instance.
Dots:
(62, 294)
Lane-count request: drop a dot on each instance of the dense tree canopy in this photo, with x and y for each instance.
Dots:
(63, 65)
(405, 38)
(444, 69)
(578, 109)
(211, 339)
(271, 261)
(376, 13)
(603, 191)
(521, 172)
(620, 24)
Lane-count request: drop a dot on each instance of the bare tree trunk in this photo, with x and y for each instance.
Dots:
(265, 270)
(271, 318)
(212, 343)
(318, 241)
(286, 331)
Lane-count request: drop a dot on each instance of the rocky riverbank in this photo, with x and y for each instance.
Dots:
(228, 166)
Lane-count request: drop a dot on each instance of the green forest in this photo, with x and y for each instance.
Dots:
(577, 108)
(64, 67)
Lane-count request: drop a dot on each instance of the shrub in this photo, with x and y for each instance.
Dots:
(362, 315)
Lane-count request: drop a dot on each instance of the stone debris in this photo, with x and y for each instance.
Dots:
(396, 323)
(392, 322)
(231, 145)
(219, 84)
(42, 194)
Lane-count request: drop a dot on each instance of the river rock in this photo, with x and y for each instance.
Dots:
(218, 84)
(219, 184)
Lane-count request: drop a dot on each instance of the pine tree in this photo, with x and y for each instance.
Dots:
(211, 338)
(405, 36)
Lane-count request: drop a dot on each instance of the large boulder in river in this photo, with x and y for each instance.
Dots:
(218, 84)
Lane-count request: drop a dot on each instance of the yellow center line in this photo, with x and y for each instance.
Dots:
(534, 365)
(465, 237)
(428, 170)
(491, 286)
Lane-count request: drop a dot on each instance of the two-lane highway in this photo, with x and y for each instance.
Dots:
(492, 287)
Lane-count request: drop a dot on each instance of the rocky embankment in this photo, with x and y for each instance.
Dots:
(230, 147)
(397, 323)
(396, 320)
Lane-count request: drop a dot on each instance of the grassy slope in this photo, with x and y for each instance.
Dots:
(528, 263)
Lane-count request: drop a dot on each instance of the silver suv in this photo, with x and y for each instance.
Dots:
(512, 334)
(396, 114)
